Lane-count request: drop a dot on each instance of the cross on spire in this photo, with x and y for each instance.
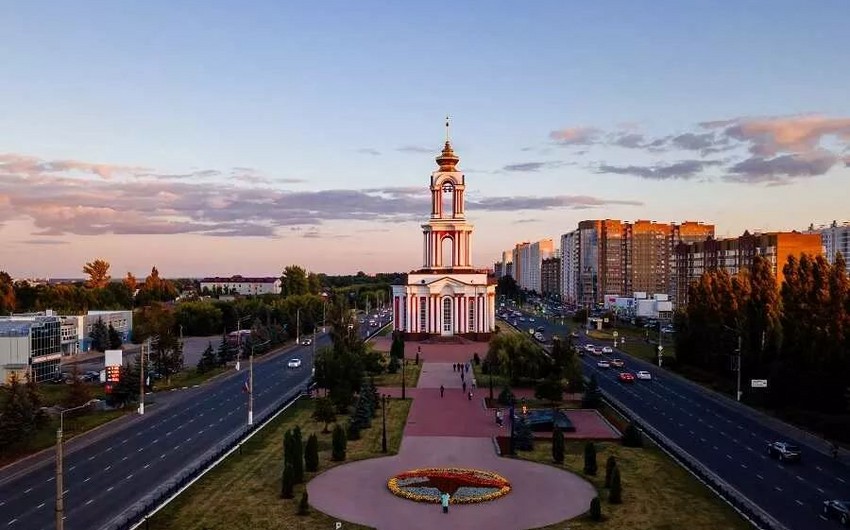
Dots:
(447, 129)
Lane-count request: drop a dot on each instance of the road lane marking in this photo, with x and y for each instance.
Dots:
(107, 468)
(798, 502)
(820, 490)
(13, 521)
(759, 476)
(729, 457)
(744, 466)
(86, 480)
(28, 490)
(128, 477)
(818, 468)
(71, 468)
(839, 479)
(777, 488)
(146, 466)
(110, 488)
(91, 458)
(799, 478)
(40, 506)
(89, 501)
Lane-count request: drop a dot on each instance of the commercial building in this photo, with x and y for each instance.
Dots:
(30, 346)
(447, 296)
(69, 336)
(243, 286)
(835, 238)
(122, 321)
(691, 260)
(612, 257)
(550, 276)
(641, 305)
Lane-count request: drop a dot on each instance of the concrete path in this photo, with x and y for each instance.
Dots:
(449, 431)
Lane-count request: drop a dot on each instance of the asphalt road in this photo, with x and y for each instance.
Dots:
(725, 436)
(105, 478)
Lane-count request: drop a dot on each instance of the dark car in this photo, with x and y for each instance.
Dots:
(839, 510)
(784, 451)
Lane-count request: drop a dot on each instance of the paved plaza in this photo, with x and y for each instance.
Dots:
(448, 431)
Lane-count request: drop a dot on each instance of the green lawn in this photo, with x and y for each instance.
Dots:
(243, 491)
(411, 375)
(636, 344)
(657, 492)
(189, 377)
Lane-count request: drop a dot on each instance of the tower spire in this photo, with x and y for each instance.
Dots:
(448, 138)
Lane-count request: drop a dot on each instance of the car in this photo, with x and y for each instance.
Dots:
(531, 319)
(307, 342)
(626, 377)
(541, 329)
(839, 510)
(603, 364)
(607, 349)
(643, 374)
(619, 363)
(294, 363)
(784, 451)
(590, 347)
(574, 334)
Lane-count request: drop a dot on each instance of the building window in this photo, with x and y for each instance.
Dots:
(447, 314)
(423, 314)
(472, 325)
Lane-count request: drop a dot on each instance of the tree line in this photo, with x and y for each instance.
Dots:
(796, 335)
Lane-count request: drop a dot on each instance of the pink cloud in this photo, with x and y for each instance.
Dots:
(575, 135)
(793, 134)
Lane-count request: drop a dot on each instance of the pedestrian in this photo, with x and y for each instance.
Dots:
(442, 390)
(470, 395)
(461, 375)
(454, 367)
(464, 386)
(444, 500)
(473, 384)
(468, 366)
(500, 419)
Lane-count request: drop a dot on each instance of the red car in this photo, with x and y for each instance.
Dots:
(626, 377)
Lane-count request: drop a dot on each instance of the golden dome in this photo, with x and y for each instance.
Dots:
(448, 160)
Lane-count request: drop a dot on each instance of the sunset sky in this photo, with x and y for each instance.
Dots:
(219, 138)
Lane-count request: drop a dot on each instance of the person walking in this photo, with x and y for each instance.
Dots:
(464, 387)
(444, 500)
(473, 384)
(442, 390)
(470, 395)
(461, 374)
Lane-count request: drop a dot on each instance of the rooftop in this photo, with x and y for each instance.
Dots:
(239, 279)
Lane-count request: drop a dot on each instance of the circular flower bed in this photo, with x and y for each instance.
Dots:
(464, 486)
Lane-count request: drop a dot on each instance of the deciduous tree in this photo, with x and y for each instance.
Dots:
(98, 271)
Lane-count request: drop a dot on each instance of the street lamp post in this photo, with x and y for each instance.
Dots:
(403, 363)
(737, 363)
(298, 326)
(251, 383)
(491, 386)
(60, 487)
(384, 403)
(239, 340)
(512, 412)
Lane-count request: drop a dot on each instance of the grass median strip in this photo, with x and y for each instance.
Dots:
(657, 492)
(243, 492)
(411, 375)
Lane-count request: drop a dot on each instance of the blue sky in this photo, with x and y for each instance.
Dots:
(258, 134)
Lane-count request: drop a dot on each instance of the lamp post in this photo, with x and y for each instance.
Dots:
(491, 386)
(511, 411)
(298, 326)
(384, 403)
(239, 340)
(251, 382)
(736, 365)
(60, 487)
(403, 363)
(146, 349)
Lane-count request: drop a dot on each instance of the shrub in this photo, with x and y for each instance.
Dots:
(476, 359)
(324, 412)
(311, 454)
(287, 483)
(590, 459)
(304, 505)
(338, 443)
(297, 460)
(632, 436)
(610, 464)
(592, 395)
(523, 437)
(353, 431)
(596, 509)
(393, 365)
(558, 446)
(287, 447)
(615, 495)
(506, 397)
(549, 389)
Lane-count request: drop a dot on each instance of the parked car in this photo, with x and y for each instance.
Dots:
(607, 349)
(626, 377)
(294, 363)
(839, 510)
(619, 363)
(784, 451)
(603, 364)
(643, 374)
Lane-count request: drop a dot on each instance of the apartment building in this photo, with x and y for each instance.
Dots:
(244, 286)
(612, 257)
(691, 260)
(835, 238)
(550, 276)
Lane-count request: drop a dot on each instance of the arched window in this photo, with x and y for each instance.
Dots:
(448, 193)
(447, 252)
(447, 315)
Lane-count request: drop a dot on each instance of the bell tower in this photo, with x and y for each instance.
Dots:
(447, 237)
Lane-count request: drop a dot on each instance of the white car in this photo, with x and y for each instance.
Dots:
(643, 374)
(306, 342)
(294, 363)
(603, 364)
(607, 349)
(589, 347)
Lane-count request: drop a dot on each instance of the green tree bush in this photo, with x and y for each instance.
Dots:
(558, 446)
(590, 459)
(297, 460)
(610, 464)
(303, 504)
(324, 412)
(615, 495)
(596, 509)
(506, 397)
(287, 483)
(311, 454)
(338, 443)
(632, 436)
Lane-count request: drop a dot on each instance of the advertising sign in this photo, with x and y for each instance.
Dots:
(758, 383)
(113, 360)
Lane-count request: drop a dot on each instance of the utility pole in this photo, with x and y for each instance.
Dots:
(60, 465)
(239, 339)
(298, 326)
(145, 350)
(251, 383)
(738, 365)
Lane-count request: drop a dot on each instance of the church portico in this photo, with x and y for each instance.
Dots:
(447, 296)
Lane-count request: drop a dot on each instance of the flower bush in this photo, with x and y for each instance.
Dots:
(464, 486)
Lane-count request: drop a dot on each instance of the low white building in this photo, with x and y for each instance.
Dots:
(239, 285)
(30, 345)
(69, 339)
(641, 305)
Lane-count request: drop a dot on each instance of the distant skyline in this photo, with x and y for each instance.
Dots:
(227, 138)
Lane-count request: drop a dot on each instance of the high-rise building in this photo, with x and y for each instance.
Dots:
(550, 276)
(616, 258)
(691, 260)
(836, 238)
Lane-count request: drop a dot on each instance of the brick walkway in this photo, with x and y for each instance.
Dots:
(451, 431)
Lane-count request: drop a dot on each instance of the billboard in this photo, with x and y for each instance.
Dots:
(113, 360)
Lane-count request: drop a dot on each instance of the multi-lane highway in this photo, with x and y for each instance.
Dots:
(103, 479)
(725, 436)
